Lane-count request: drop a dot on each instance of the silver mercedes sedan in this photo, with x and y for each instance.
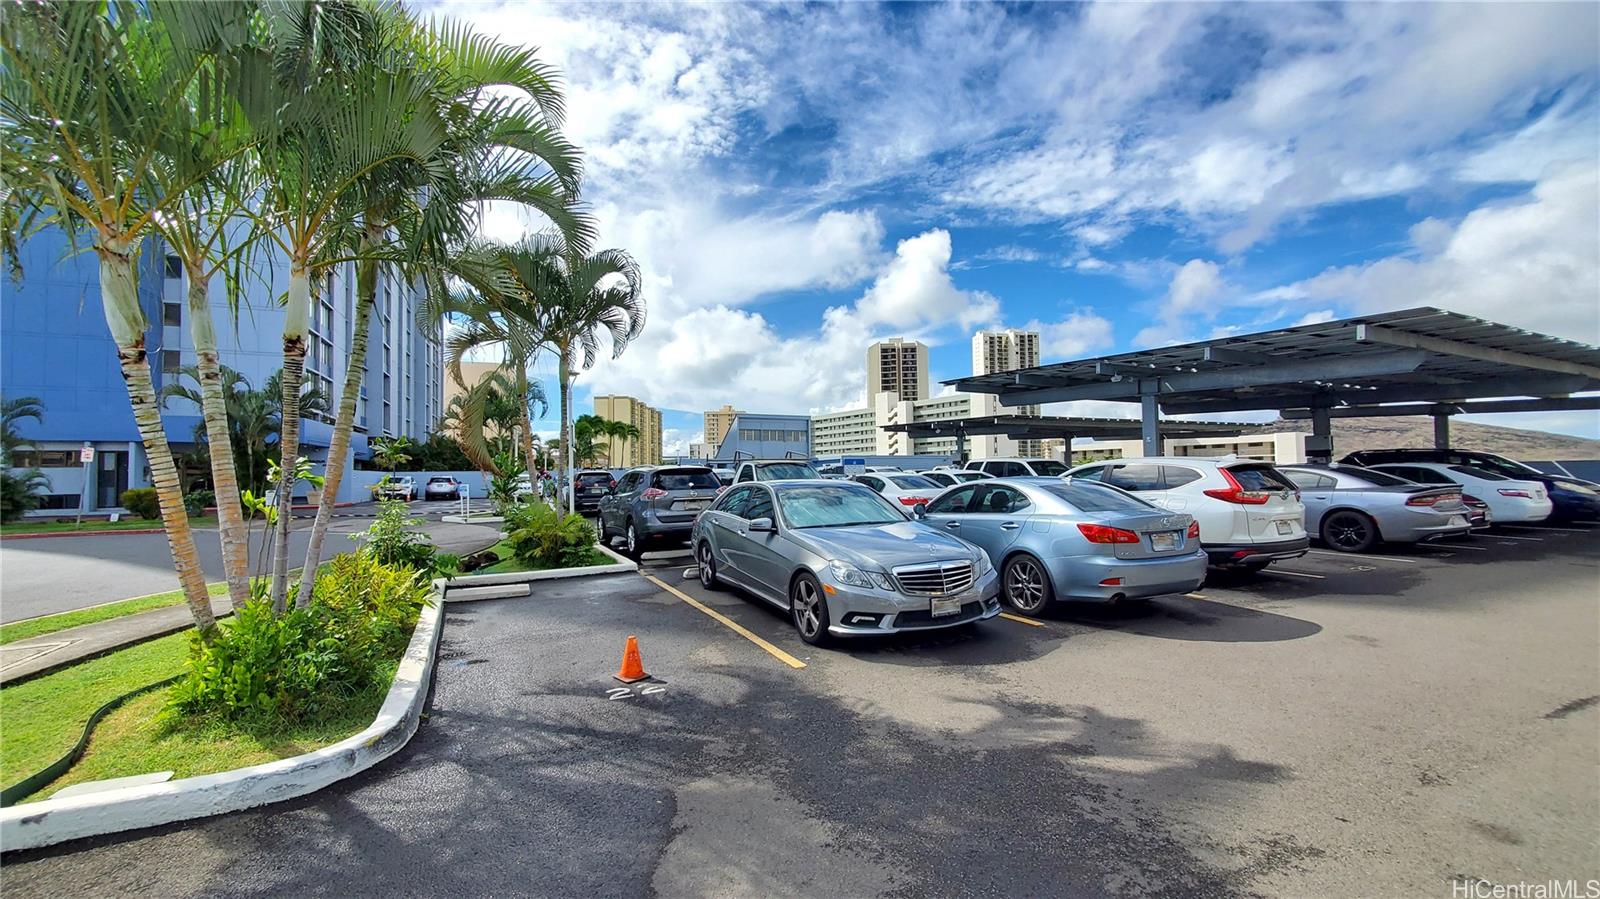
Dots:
(841, 560)
(1055, 539)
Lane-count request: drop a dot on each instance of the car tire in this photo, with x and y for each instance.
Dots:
(1025, 584)
(601, 535)
(808, 610)
(1349, 531)
(632, 543)
(706, 564)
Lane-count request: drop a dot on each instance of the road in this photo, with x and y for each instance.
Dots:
(1343, 726)
(58, 574)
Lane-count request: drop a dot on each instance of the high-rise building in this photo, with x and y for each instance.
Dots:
(626, 452)
(1008, 350)
(897, 366)
(55, 345)
(717, 423)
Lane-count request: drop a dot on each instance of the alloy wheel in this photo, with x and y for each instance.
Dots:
(633, 539)
(708, 575)
(1348, 532)
(807, 617)
(1025, 585)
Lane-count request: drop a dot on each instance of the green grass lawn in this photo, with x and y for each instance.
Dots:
(508, 563)
(100, 524)
(33, 627)
(43, 717)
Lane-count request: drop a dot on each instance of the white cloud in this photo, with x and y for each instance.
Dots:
(1079, 333)
(675, 441)
(1314, 318)
(1192, 298)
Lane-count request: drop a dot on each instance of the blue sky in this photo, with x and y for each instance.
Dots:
(797, 180)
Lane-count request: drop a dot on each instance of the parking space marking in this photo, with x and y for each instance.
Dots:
(1524, 527)
(1362, 557)
(732, 625)
(1021, 620)
(1509, 537)
(1195, 595)
(1452, 547)
(1320, 577)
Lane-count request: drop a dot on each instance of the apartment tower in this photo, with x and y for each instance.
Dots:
(900, 367)
(718, 421)
(626, 452)
(1009, 350)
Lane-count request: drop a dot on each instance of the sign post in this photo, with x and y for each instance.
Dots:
(86, 456)
(854, 466)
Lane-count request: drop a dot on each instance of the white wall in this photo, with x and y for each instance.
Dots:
(354, 488)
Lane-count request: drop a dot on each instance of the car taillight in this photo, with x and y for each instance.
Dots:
(653, 493)
(1194, 530)
(912, 500)
(1423, 500)
(1099, 533)
(1513, 492)
(1234, 493)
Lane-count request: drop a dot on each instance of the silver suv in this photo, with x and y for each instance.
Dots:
(655, 505)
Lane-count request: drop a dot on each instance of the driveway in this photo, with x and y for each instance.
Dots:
(58, 574)
(1346, 725)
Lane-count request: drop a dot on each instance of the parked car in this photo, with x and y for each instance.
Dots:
(655, 505)
(401, 488)
(1509, 500)
(1478, 513)
(773, 470)
(725, 475)
(1017, 468)
(1354, 509)
(841, 560)
(905, 489)
(1572, 499)
(1250, 514)
(1055, 539)
(883, 469)
(589, 487)
(946, 477)
(442, 487)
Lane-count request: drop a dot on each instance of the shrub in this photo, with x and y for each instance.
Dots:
(195, 502)
(19, 492)
(308, 662)
(392, 542)
(142, 501)
(539, 535)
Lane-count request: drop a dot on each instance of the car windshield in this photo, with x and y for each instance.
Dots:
(912, 482)
(441, 480)
(685, 479)
(589, 479)
(834, 506)
(1089, 496)
(781, 471)
(1260, 477)
(1047, 468)
(1482, 474)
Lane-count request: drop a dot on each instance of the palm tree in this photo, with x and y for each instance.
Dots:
(254, 416)
(586, 428)
(504, 146)
(392, 452)
(11, 412)
(89, 96)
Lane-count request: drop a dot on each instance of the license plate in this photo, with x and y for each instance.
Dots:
(1164, 542)
(595, 491)
(951, 606)
(1285, 527)
(1458, 520)
(693, 505)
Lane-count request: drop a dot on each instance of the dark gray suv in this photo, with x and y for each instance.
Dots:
(655, 505)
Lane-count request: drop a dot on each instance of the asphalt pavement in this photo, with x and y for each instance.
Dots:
(1340, 725)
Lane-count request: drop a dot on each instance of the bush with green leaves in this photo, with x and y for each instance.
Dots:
(143, 502)
(392, 541)
(195, 502)
(305, 663)
(539, 535)
(19, 492)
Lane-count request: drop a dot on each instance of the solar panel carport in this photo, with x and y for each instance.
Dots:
(1422, 361)
(1045, 427)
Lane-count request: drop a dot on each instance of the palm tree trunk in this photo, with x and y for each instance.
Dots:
(296, 319)
(214, 411)
(339, 445)
(563, 373)
(119, 293)
(527, 425)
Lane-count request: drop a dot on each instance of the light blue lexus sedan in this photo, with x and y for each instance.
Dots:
(1055, 539)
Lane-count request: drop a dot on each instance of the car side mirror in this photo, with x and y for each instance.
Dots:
(763, 524)
(919, 511)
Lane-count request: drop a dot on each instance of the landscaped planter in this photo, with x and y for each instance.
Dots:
(56, 820)
(446, 586)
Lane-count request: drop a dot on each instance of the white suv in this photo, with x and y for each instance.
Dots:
(1017, 468)
(1250, 514)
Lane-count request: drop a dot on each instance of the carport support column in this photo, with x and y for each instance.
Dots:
(961, 447)
(1150, 417)
(1322, 430)
(1441, 430)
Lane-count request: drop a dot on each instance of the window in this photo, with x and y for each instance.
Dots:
(870, 481)
(1135, 477)
(685, 479)
(44, 459)
(172, 313)
(629, 482)
(733, 501)
(1094, 497)
(954, 502)
(1048, 468)
(1307, 480)
(1259, 477)
(760, 505)
(1482, 474)
(999, 499)
(174, 267)
(1177, 477)
(746, 473)
(60, 500)
(834, 505)
(170, 362)
(913, 482)
(1090, 474)
(940, 478)
(1421, 475)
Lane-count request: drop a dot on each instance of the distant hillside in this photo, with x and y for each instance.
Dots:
(1352, 434)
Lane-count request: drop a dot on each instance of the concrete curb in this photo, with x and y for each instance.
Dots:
(103, 532)
(130, 808)
(463, 581)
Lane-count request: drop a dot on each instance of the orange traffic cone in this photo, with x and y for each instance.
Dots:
(632, 665)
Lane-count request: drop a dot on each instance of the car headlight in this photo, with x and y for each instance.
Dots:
(848, 574)
(984, 565)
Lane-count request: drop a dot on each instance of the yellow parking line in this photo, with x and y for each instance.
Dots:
(1021, 620)
(732, 625)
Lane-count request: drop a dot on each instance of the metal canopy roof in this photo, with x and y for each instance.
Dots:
(1415, 355)
(1045, 427)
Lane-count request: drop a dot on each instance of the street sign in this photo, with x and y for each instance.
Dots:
(854, 465)
(86, 455)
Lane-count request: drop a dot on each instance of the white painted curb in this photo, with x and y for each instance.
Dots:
(52, 821)
(463, 581)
